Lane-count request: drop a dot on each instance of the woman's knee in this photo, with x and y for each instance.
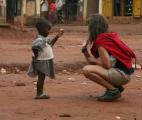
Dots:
(86, 71)
(95, 69)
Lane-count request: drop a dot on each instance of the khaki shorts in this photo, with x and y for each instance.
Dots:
(118, 77)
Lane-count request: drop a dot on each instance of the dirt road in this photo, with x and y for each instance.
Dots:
(73, 97)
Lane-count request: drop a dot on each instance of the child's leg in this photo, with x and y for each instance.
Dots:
(40, 83)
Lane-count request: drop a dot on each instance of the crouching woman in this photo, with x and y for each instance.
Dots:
(111, 64)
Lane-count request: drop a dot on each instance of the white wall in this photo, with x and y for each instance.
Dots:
(100, 6)
(3, 8)
(24, 6)
(38, 8)
(85, 10)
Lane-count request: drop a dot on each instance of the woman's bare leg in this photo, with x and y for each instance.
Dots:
(98, 74)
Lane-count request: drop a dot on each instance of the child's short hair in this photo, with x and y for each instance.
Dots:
(42, 24)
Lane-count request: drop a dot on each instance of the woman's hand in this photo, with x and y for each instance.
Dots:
(84, 46)
(85, 43)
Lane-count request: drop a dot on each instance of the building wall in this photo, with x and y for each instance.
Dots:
(93, 7)
(136, 12)
(2, 12)
(38, 8)
(31, 11)
(107, 7)
(137, 8)
(31, 8)
(90, 7)
(2, 8)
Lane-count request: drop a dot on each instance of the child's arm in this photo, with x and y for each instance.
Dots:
(35, 51)
(53, 41)
(37, 46)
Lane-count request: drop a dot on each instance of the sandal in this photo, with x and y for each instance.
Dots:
(42, 96)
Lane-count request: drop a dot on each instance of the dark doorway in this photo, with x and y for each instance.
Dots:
(123, 7)
(128, 7)
(117, 8)
(10, 11)
(71, 10)
(17, 7)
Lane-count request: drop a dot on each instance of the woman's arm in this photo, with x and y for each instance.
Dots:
(105, 58)
(91, 60)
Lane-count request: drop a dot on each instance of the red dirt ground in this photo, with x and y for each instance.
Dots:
(73, 97)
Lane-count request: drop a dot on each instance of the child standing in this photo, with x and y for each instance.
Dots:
(43, 55)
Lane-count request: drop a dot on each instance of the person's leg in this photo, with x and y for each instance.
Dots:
(99, 75)
(40, 83)
(118, 78)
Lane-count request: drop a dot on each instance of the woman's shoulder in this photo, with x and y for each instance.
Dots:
(107, 34)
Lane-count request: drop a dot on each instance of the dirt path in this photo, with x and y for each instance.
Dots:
(72, 96)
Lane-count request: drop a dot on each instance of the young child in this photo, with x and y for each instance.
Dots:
(43, 55)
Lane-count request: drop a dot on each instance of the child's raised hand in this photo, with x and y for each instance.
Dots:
(61, 32)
